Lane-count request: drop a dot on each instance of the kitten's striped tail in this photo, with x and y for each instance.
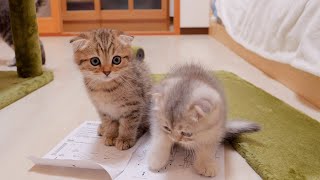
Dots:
(235, 128)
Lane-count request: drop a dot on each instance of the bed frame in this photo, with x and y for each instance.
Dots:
(304, 84)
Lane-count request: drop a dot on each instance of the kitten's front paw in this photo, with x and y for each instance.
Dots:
(110, 141)
(124, 144)
(156, 163)
(205, 168)
(101, 130)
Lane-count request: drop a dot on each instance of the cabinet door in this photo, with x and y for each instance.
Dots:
(127, 15)
(114, 4)
(80, 5)
(115, 9)
(134, 9)
(151, 9)
(147, 4)
(49, 17)
(80, 10)
(80, 15)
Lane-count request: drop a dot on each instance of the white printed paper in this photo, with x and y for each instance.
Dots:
(178, 167)
(83, 148)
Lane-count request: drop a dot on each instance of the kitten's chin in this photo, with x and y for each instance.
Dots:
(107, 79)
(186, 144)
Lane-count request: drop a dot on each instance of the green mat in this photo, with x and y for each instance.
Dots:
(13, 88)
(288, 147)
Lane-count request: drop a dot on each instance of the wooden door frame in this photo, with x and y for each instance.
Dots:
(133, 14)
(52, 24)
(176, 24)
(85, 15)
(59, 19)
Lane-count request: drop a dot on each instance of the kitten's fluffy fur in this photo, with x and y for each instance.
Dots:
(5, 28)
(189, 109)
(120, 93)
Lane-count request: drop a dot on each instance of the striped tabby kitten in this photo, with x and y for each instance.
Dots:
(189, 109)
(117, 83)
(5, 28)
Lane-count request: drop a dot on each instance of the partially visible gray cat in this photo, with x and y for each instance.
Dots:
(189, 109)
(5, 29)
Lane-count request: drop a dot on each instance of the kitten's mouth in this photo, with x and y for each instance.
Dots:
(107, 78)
(179, 141)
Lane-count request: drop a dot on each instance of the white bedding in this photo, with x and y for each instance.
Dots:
(282, 30)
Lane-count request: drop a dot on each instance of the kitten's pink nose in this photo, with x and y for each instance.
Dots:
(106, 72)
(177, 137)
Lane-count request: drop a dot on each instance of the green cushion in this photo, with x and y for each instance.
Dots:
(288, 147)
(13, 87)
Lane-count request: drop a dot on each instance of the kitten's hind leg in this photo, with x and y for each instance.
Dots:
(160, 150)
(128, 129)
(43, 54)
(205, 161)
(8, 39)
(14, 62)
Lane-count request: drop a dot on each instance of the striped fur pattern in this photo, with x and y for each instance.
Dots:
(189, 109)
(5, 29)
(120, 92)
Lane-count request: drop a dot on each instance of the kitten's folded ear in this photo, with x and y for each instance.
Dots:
(200, 109)
(126, 39)
(79, 43)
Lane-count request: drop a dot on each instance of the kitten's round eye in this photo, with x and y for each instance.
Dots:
(95, 61)
(166, 128)
(116, 60)
(186, 134)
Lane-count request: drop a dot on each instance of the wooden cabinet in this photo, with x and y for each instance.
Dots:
(126, 15)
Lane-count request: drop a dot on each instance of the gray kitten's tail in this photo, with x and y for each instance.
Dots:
(235, 128)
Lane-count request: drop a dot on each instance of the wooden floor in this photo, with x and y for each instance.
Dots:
(304, 84)
(35, 123)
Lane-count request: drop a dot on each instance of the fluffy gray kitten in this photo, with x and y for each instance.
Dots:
(189, 109)
(5, 28)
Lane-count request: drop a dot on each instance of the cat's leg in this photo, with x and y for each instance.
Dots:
(14, 62)
(205, 161)
(128, 128)
(160, 151)
(43, 54)
(109, 129)
(9, 40)
(7, 37)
